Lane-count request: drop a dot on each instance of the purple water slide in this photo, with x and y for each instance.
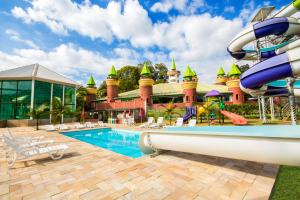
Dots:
(187, 115)
(273, 69)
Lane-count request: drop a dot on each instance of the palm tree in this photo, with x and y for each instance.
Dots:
(37, 113)
(58, 110)
(170, 110)
(81, 95)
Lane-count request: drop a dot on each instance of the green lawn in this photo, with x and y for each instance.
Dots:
(287, 185)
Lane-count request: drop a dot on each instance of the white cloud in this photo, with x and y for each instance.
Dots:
(229, 9)
(67, 59)
(15, 36)
(198, 40)
(184, 6)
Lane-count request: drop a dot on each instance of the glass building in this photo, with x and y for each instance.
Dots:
(33, 86)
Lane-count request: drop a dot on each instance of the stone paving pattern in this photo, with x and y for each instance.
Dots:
(89, 172)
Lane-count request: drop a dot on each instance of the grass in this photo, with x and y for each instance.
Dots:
(287, 185)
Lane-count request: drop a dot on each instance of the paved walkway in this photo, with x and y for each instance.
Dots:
(89, 172)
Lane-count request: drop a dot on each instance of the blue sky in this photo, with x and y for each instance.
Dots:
(82, 38)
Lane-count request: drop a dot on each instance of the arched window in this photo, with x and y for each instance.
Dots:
(237, 97)
(187, 98)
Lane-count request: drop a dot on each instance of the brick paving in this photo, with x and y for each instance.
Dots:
(89, 172)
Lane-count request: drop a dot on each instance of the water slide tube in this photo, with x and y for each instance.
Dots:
(280, 63)
(235, 118)
(253, 143)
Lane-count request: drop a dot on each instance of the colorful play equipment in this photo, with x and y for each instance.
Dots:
(267, 144)
(277, 52)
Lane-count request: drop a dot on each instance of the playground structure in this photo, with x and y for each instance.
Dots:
(276, 51)
(213, 107)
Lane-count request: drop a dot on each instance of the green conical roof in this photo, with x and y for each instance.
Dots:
(234, 71)
(221, 71)
(188, 72)
(112, 71)
(91, 81)
(173, 64)
(194, 73)
(145, 71)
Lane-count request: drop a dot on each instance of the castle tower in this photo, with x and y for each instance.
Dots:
(233, 83)
(173, 74)
(189, 86)
(146, 85)
(221, 77)
(91, 89)
(112, 84)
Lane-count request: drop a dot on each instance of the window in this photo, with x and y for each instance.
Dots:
(70, 98)
(237, 97)
(42, 96)
(187, 99)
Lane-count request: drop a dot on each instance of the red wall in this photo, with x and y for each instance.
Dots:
(112, 92)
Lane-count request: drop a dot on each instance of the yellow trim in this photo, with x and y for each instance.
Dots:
(112, 82)
(233, 83)
(221, 80)
(92, 90)
(146, 82)
(189, 85)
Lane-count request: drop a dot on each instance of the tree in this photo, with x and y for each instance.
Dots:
(38, 113)
(161, 71)
(170, 110)
(59, 110)
(128, 78)
(244, 68)
(102, 90)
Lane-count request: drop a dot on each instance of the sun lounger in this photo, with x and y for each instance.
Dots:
(158, 124)
(148, 123)
(179, 123)
(192, 123)
(89, 125)
(63, 127)
(101, 124)
(50, 127)
(27, 139)
(78, 126)
(20, 150)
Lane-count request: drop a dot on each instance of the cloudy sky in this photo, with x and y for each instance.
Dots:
(82, 37)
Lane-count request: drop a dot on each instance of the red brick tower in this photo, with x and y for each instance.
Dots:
(189, 86)
(146, 85)
(91, 90)
(233, 83)
(112, 84)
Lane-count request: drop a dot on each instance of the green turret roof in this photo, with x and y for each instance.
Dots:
(145, 71)
(234, 71)
(91, 81)
(112, 71)
(296, 4)
(194, 73)
(221, 72)
(173, 64)
(188, 72)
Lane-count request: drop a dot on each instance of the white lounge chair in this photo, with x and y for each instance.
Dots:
(179, 122)
(22, 150)
(158, 124)
(101, 124)
(50, 127)
(192, 123)
(78, 126)
(27, 139)
(63, 127)
(89, 125)
(148, 123)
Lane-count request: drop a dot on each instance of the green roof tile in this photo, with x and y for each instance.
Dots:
(188, 72)
(91, 81)
(221, 72)
(173, 64)
(145, 71)
(112, 71)
(234, 71)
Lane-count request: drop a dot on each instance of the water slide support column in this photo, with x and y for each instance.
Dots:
(272, 108)
(263, 106)
(290, 85)
(259, 107)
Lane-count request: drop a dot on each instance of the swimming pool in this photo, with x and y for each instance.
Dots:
(117, 140)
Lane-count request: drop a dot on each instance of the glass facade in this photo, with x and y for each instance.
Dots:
(15, 97)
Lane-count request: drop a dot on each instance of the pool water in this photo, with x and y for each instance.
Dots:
(120, 141)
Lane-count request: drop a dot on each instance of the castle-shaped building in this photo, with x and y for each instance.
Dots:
(183, 93)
